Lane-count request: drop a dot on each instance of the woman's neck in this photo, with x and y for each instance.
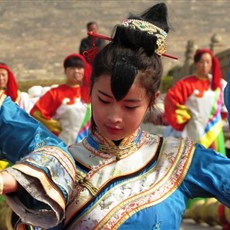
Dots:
(72, 85)
(117, 143)
(201, 76)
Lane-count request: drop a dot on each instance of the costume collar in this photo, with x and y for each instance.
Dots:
(106, 146)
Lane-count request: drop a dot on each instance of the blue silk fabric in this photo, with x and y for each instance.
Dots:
(20, 133)
(207, 175)
(227, 95)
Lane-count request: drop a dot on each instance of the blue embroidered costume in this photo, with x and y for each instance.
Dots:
(143, 183)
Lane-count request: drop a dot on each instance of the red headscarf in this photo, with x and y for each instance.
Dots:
(216, 72)
(85, 88)
(12, 87)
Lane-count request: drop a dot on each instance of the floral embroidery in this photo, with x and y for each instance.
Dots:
(148, 189)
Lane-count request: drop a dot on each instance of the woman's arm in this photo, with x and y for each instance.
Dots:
(44, 110)
(20, 133)
(176, 113)
(42, 175)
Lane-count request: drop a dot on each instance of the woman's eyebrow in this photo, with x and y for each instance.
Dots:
(132, 100)
(105, 94)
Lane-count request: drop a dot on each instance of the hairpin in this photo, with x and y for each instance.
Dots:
(90, 54)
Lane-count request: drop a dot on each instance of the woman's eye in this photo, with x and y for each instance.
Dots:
(131, 107)
(103, 101)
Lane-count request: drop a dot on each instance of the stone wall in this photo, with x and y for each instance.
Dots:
(36, 35)
(224, 58)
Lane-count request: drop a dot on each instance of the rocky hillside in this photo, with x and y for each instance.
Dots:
(36, 35)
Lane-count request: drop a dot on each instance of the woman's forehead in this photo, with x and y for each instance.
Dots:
(2, 70)
(206, 56)
(104, 83)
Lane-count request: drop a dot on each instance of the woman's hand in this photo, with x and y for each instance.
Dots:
(8, 183)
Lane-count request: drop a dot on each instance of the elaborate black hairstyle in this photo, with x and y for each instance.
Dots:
(133, 49)
(134, 38)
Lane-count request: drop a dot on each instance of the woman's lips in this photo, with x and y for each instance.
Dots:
(113, 129)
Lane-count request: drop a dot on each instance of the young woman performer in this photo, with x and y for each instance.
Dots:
(119, 176)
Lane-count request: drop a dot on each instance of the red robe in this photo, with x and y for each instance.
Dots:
(194, 109)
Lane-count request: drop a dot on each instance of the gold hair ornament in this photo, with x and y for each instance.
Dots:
(150, 29)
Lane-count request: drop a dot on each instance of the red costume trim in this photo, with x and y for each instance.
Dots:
(223, 221)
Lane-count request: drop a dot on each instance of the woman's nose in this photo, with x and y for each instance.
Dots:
(115, 115)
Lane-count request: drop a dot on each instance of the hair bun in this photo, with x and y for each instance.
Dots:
(148, 31)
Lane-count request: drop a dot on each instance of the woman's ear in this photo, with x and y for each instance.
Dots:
(154, 99)
(157, 94)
